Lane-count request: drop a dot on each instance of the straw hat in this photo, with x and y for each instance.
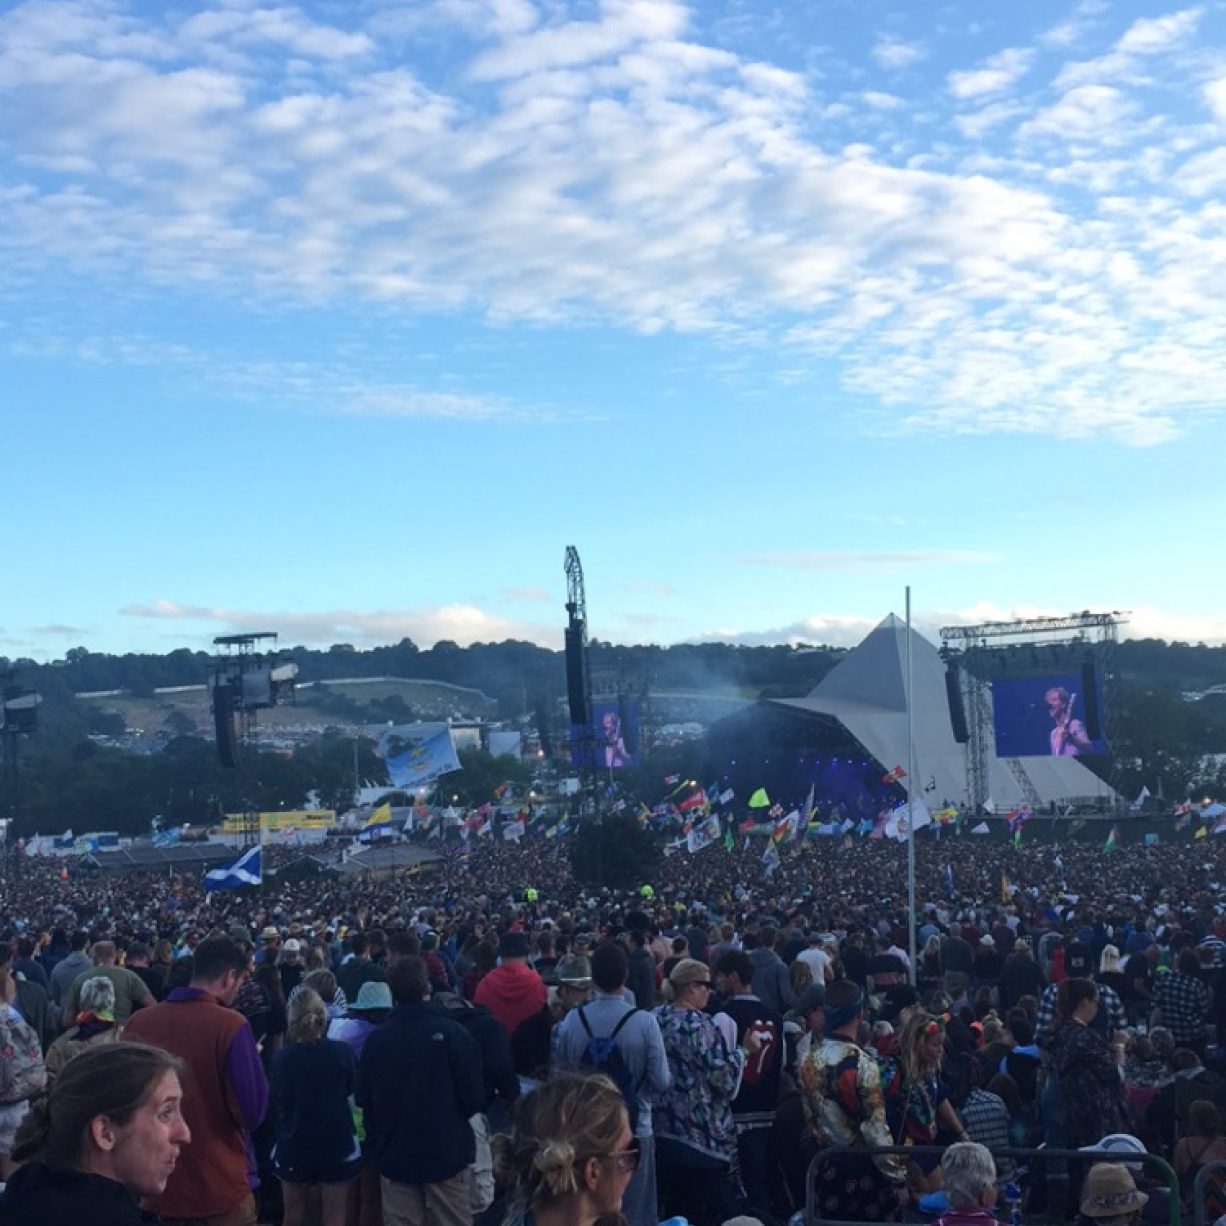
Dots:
(1109, 1191)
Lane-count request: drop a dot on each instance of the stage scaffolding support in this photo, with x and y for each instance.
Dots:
(992, 649)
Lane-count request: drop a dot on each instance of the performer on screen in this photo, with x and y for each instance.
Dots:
(1068, 738)
(614, 747)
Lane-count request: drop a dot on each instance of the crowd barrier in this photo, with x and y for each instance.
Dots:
(1211, 1178)
(1054, 1162)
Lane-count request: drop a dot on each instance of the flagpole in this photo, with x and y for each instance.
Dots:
(911, 937)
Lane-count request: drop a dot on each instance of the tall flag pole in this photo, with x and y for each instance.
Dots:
(911, 935)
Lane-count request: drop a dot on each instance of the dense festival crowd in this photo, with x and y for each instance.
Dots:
(493, 1041)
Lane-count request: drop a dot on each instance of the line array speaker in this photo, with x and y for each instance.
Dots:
(957, 713)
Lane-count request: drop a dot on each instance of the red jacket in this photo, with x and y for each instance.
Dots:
(512, 993)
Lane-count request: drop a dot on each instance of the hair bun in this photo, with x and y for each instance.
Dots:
(555, 1160)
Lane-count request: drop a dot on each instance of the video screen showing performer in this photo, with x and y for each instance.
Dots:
(1042, 717)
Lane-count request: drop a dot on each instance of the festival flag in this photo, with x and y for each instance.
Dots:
(67, 839)
(807, 811)
(770, 858)
(981, 828)
(486, 828)
(501, 790)
(413, 757)
(898, 823)
(238, 874)
(729, 840)
(513, 831)
(696, 800)
(1201, 833)
(1113, 839)
(746, 826)
(727, 796)
(702, 835)
(1186, 807)
(786, 829)
(671, 780)
(382, 816)
(775, 811)
(1142, 797)
(166, 838)
(894, 776)
(865, 826)
(759, 800)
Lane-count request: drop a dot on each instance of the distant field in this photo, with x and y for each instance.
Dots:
(428, 699)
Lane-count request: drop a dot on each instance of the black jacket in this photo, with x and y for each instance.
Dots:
(39, 1196)
(419, 1080)
(493, 1042)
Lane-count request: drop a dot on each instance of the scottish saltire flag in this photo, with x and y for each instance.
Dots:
(166, 838)
(413, 759)
(238, 874)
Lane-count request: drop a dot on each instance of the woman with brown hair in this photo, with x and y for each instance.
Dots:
(108, 1133)
(570, 1155)
(1088, 1098)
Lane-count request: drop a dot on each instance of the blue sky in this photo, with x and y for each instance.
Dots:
(344, 319)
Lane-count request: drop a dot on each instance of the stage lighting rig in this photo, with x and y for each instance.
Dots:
(249, 675)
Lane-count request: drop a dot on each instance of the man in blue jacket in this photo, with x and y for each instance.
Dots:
(419, 1081)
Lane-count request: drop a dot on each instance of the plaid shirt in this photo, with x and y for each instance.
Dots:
(1184, 1004)
(986, 1118)
(1108, 1001)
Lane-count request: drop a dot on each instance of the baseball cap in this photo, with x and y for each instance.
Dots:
(1117, 1145)
(292, 946)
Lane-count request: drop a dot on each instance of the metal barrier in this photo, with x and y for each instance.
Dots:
(1044, 1156)
(1215, 1171)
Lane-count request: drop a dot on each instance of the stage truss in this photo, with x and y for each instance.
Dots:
(991, 649)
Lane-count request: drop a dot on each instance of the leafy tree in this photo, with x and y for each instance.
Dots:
(614, 850)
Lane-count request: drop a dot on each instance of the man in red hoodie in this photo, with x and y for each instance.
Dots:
(512, 991)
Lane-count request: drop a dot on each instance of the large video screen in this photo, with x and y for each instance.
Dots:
(614, 736)
(1040, 717)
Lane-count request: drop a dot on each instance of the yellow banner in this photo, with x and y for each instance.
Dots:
(302, 819)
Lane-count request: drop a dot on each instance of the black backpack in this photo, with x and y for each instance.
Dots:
(603, 1055)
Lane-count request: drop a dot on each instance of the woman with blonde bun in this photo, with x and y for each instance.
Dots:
(570, 1155)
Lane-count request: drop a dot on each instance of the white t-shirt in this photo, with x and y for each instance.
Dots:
(816, 960)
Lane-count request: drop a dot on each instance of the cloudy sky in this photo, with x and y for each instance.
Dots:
(344, 319)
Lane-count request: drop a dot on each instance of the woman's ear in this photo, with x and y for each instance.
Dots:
(591, 1174)
(102, 1132)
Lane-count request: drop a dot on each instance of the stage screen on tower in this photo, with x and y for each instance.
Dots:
(614, 735)
(1042, 717)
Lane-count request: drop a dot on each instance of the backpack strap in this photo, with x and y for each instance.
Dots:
(583, 1022)
(624, 1019)
(613, 1036)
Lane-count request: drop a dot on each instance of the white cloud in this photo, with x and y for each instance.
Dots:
(1215, 96)
(840, 560)
(996, 74)
(893, 53)
(849, 629)
(617, 171)
(462, 623)
(1086, 112)
(974, 125)
(877, 100)
(1145, 37)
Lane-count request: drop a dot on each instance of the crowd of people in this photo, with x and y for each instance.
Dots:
(497, 1042)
